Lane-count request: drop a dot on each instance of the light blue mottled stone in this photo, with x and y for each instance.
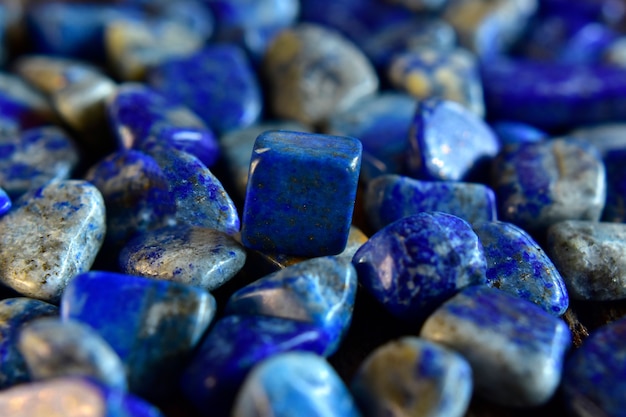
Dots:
(292, 381)
(53, 348)
(51, 235)
(320, 291)
(391, 197)
(515, 348)
(413, 377)
(517, 265)
(190, 255)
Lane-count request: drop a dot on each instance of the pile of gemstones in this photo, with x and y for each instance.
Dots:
(333, 208)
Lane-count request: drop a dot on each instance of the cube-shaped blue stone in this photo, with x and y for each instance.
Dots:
(301, 192)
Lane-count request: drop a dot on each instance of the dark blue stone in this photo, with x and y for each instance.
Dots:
(320, 291)
(136, 193)
(448, 142)
(391, 197)
(413, 265)
(516, 132)
(236, 344)
(387, 115)
(15, 313)
(154, 332)
(5, 202)
(301, 193)
(217, 83)
(21, 106)
(615, 205)
(138, 113)
(515, 348)
(594, 378)
(517, 265)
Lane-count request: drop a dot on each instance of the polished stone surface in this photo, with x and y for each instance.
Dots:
(5, 202)
(21, 106)
(516, 132)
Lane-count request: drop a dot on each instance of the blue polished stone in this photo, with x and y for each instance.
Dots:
(414, 264)
(72, 397)
(320, 291)
(516, 132)
(446, 74)
(138, 114)
(233, 346)
(190, 13)
(515, 348)
(301, 193)
(517, 265)
(217, 83)
(594, 378)
(14, 314)
(136, 193)
(34, 157)
(190, 255)
(154, 332)
(293, 381)
(539, 184)
(199, 196)
(391, 197)
(615, 204)
(448, 142)
(386, 115)
(411, 377)
(5, 202)
(21, 106)
(53, 348)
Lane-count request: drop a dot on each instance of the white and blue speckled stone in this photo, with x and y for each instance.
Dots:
(51, 235)
(516, 349)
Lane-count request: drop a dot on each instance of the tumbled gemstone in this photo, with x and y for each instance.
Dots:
(414, 264)
(314, 72)
(5, 202)
(301, 193)
(34, 157)
(158, 327)
(21, 106)
(516, 132)
(381, 122)
(52, 234)
(53, 349)
(138, 114)
(594, 375)
(14, 314)
(391, 197)
(293, 381)
(447, 74)
(448, 142)
(233, 346)
(517, 265)
(411, 377)
(589, 256)
(521, 363)
(539, 184)
(187, 254)
(320, 291)
(72, 397)
(217, 83)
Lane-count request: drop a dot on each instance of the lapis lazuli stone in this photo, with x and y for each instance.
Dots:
(448, 142)
(414, 264)
(594, 375)
(53, 348)
(153, 334)
(52, 234)
(5, 202)
(517, 132)
(14, 314)
(521, 363)
(21, 106)
(320, 291)
(35, 157)
(138, 113)
(72, 397)
(517, 265)
(217, 83)
(233, 346)
(292, 381)
(190, 255)
(301, 193)
(391, 197)
(412, 376)
(387, 115)
(539, 184)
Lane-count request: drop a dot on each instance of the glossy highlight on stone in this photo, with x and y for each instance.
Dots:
(416, 263)
(5, 202)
